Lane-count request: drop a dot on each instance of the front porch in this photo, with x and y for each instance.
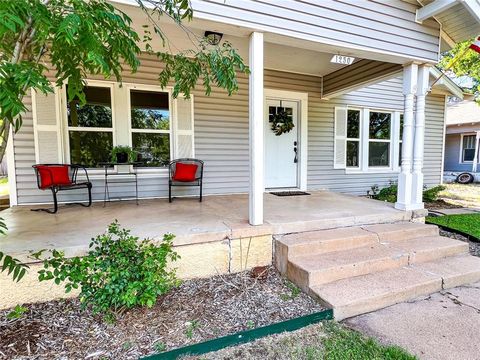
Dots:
(217, 218)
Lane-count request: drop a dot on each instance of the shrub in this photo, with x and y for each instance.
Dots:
(118, 272)
(431, 194)
(389, 193)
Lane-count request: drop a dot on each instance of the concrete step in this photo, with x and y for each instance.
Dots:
(429, 248)
(402, 231)
(362, 294)
(319, 242)
(454, 271)
(307, 271)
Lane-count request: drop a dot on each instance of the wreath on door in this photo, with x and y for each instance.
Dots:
(281, 121)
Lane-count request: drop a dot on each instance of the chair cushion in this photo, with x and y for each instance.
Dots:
(185, 172)
(58, 173)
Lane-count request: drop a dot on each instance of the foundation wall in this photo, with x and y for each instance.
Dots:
(196, 260)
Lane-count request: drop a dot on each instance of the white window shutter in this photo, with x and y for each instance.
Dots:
(184, 132)
(340, 141)
(46, 127)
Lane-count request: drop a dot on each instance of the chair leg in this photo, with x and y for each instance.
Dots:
(170, 191)
(55, 204)
(201, 190)
(89, 188)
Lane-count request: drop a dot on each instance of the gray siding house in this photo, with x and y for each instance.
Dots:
(462, 138)
(289, 46)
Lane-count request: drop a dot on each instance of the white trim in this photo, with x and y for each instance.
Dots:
(473, 7)
(360, 143)
(12, 170)
(434, 8)
(365, 140)
(65, 128)
(396, 140)
(302, 99)
(444, 137)
(460, 160)
(256, 101)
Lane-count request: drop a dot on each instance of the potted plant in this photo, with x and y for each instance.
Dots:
(123, 154)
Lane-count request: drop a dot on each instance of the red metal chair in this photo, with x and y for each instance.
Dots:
(185, 172)
(59, 177)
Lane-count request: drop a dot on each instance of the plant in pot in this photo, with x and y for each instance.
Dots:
(123, 154)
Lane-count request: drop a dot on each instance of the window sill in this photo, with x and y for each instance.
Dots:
(372, 171)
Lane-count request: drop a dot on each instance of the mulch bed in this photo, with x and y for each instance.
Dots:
(199, 310)
(473, 245)
(440, 204)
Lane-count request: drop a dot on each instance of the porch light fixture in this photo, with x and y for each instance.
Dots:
(213, 37)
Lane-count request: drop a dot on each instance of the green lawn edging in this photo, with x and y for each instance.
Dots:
(467, 225)
(244, 336)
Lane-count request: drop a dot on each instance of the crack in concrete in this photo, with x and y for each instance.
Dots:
(372, 232)
(454, 298)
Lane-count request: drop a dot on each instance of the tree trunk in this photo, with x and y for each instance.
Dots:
(5, 132)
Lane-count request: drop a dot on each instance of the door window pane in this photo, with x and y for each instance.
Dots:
(97, 112)
(379, 154)
(153, 148)
(353, 153)
(89, 148)
(353, 124)
(149, 110)
(379, 126)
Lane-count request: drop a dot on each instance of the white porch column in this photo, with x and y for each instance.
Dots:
(419, 138)
(256, 114)
(475, 157)
(404, 194)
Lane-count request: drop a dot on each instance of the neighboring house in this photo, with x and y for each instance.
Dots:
(462, 138)
(355, 124)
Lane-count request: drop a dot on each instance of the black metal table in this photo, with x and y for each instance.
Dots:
(127, 177)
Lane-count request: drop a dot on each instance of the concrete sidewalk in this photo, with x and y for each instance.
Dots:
(443, 326)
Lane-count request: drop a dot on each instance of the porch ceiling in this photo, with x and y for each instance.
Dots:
(217, 218)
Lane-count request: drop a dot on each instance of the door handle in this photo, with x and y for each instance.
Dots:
(295, 150)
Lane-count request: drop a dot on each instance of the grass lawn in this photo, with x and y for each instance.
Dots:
(462, 195)
(327, 341)
(3, 186)
(466, 223)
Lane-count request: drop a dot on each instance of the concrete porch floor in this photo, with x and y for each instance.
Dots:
(217, 218)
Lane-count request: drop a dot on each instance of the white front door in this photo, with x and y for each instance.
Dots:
(281, 151)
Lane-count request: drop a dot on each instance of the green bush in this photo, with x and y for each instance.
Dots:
(389, 193)
(431, 194)
(118, 272)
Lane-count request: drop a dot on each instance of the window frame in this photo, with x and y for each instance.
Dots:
(172, 128)
(394, 141)
(461, 154)
(359, 139)
(67, 128)
(389, 141)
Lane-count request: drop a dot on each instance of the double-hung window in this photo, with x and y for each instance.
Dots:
(468, 148)
(90, 127)
(151, 126)
(379, 139)
(353, 138)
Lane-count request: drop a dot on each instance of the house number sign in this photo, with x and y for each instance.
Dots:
(341, 59)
